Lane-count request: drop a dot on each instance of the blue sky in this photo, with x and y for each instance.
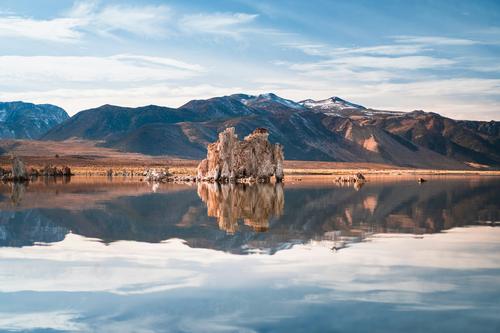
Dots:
(440, 56)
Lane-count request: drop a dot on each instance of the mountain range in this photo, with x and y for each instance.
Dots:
(19, 120)
(330, 130)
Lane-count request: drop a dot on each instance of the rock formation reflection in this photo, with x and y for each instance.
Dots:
(17, 192)
(254, 204)
(45, 212)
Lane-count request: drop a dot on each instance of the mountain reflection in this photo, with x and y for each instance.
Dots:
(241, 218)
(255, 204)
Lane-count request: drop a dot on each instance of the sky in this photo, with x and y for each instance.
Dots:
(440, 56)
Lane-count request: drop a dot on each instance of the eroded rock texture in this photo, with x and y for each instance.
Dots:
(254, 204)
(254, 158)
(19, 172)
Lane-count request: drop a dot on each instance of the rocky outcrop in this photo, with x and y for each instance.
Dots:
(156, 175)
(19, 172)
(357, 178)
(254, 159)
(52, 171)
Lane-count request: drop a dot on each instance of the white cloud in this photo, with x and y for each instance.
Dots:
(460, 98)
(435, 40)
(55, 320)
(29, 70)
(407, 63)
(389, 50)
(150, 21)
(228, 24)
(450, 87)
(154, 21)
(77, 99)
(57, 30)
(139, 20)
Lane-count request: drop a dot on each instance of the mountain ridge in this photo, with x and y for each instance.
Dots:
(335, 131)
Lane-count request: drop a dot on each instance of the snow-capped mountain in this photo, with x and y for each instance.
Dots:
(332, 103)
(336, 106)
(262, 99)
(19, 120)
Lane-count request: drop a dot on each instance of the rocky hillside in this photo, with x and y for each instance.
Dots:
(329, 130)
(19, 120)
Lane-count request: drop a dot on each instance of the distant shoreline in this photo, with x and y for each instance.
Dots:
(86, 158)
(100, 167)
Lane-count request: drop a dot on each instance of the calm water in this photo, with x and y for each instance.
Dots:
(92, 255)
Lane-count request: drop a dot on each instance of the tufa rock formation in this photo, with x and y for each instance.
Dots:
(19, 172)
(52, 171)
(157, 175)
(253, 159)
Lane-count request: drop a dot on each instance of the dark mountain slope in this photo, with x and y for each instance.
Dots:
(445, 136)
(302, 134)
(107, 121)
(19, 120)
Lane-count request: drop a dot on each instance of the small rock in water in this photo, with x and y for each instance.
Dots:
(157, 175)
(421, 180)
(360, 178)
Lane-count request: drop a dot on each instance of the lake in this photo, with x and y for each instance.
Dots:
(119, 255)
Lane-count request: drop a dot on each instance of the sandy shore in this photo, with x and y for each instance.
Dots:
(87, 158)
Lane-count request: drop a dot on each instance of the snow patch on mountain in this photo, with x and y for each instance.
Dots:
(332, 103)
(268, 97)
(335, 106)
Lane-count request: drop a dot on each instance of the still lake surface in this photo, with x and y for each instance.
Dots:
(98, 255)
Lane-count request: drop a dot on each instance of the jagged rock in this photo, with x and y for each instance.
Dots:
(360, 178)
(157, 175)
(254, 158)
(66, 171)
(47, 170)
(52, 171)
(19, 172)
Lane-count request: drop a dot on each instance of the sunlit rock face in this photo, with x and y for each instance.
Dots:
(254, 158)
(254, 204)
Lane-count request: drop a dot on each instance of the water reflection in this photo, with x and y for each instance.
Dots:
(255, 204)
(240, 218)
(92, 256)
(17, 192)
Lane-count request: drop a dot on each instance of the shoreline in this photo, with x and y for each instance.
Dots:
(88, 158)
(180, 167)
